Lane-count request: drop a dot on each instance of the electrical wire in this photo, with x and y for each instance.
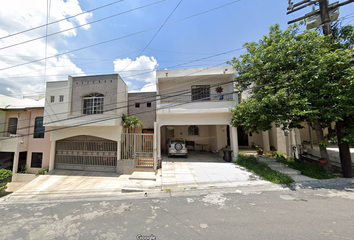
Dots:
(60, 20)
(118, 38)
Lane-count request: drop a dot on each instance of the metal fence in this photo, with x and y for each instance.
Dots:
(191, 98)
(136, 142)
(86, 153)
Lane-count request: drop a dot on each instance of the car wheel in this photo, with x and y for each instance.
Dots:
(178, 146)
(169, 155)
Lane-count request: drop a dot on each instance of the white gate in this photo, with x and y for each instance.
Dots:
(138, 147)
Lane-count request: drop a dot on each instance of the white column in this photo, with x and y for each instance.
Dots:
(158, 142)
(265, 138)
(15, 162)
(298, 141)
(119, 150)
(52, 155)
(155, 146)
(234, 141)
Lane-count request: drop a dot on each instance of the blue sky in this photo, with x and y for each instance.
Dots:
(174, 46)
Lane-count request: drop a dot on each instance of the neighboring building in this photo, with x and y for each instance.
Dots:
(23, 139)
(143, 106)
(85, 116)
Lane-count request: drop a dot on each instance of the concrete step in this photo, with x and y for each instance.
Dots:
(143, 169)
(139, 186)
(150, 176)
(286, 170)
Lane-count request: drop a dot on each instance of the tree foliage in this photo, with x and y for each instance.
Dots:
(307, 77)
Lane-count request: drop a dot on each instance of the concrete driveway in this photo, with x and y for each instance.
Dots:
(204, 170)
(66, 184)
(201, 170)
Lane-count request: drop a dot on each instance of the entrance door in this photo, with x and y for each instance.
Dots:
(90, 155)
(242, 137)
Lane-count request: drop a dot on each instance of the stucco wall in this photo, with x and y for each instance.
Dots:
(69, 112)
(41, 145)
(145, 114)
(104, 84)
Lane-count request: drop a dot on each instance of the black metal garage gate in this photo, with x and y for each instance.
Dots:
(90, 155)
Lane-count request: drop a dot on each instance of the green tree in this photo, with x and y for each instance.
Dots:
(302, 77)
(131, 123)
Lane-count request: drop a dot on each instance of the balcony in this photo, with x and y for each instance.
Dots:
(188, 103)
(184, 98)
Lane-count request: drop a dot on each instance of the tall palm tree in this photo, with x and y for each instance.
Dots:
(126, 122)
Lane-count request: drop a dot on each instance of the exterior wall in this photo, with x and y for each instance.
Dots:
(221, 136)
(38, 144)
(105, 84)
(110, 133)
(176, 86)
(145, 114)
(69, 112)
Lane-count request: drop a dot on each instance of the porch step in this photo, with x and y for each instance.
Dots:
(149, 169)
(150, 176)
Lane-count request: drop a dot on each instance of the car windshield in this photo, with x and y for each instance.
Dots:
(177, 141)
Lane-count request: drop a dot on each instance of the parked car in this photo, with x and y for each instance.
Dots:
(177, 147)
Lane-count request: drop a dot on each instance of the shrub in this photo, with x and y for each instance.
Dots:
(42, 171)
(5, 177)
(250, 162)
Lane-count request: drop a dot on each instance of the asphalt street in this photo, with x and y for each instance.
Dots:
(325, 213)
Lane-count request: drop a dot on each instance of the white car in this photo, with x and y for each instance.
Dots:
(177, 147)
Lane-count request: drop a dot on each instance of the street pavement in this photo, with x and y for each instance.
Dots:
(316, 210)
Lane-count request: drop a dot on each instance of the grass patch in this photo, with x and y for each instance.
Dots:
(311, 170)
(250, 162)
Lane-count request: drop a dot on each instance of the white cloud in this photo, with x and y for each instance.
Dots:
(151, 87)
(16, 16)
(142, 69)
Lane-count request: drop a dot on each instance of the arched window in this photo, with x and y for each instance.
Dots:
(193, 130)
(93, 103)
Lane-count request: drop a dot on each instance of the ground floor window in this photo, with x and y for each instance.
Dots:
(36, 161)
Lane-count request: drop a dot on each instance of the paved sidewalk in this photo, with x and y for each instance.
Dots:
(280, 167)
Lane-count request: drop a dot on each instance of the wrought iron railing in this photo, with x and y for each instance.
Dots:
(196, 98)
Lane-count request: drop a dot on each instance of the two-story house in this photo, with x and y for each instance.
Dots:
(24, 141)
(195, 104)
(85, 116)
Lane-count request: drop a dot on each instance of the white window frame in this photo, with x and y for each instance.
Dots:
(52, 99)
(93, 103)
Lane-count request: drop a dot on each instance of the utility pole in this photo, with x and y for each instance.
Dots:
(324, 8)
(324, 11)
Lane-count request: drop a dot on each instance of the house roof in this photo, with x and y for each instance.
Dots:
(7, 102)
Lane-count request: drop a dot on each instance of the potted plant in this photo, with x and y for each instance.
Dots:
(219, 89)
(259, 150)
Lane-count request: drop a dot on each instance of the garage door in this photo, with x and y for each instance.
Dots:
(86, 155)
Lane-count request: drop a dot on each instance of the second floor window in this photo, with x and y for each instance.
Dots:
(200, 92)
(61, 98)
(38, 128)
(148, 104)
(12, 126)
(52, 98)
(93, 103)
(137, 105)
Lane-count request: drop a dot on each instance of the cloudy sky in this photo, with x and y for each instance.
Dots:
(125, 37)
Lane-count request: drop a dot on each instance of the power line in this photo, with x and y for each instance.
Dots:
(155, 34)
(105, 118)
(178, 65)
(99, 20)
(68, 112)
(44, 25)
(115, 39)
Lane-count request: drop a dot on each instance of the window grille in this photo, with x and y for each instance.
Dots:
(93, 103)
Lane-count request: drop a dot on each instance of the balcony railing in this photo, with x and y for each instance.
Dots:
(196, 98)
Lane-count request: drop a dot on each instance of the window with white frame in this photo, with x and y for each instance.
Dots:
(93, 103)
(200, 92)
(52, 98)
(193, 130)
(61, 98)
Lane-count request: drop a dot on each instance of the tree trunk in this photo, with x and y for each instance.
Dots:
(323, 151)
(344, 151)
